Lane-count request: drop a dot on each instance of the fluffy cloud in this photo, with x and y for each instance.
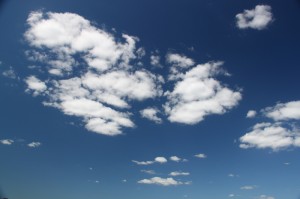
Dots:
(200, 155)
(179, 60)
(197, 93)
(179, 173)
(34, 144)
(35, 85)
(270, 135)
(7, 142)
(160, 160)
(151, 114)
(155, 60)
(258, 18)
(91, 74)
(284, 111)
(251, 114)
(162, 181)
(175, 159)
(277, 135)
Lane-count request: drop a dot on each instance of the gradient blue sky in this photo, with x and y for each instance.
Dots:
(46, 153)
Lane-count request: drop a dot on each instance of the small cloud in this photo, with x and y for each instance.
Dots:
(34, 144)
(143, 162)
(124, 181)
(163, 181)
(91, 169)
(251, 114)
(248, 187)
(258, 18)
(231, 175)
(179, 173)
(200, 155)
(151, 114)
(7, 142)
(10, 73)
(151, 172)
(179, 60)
(155, 61)
(231, 195)
(161, 160)
(266, 197)
(97, 181)
(287, 163)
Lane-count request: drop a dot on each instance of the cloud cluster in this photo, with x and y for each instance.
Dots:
(97, 76)
(197, 93)
(258, 18)
(162, 181)
(10, 142)
(91, 71)
(277, 135)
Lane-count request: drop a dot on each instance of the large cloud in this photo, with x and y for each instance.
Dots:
(280, 134)
(258, 18)
(197, 93)
(91, 75)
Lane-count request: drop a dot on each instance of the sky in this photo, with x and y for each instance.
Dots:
(149, 99)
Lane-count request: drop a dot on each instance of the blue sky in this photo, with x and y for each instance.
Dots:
(149, 99)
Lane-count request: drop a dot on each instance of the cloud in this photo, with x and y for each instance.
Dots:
(34, 144)
(175, 159)
(201, 155)
(179, 173)
(266, 197)
(162, 181)
(197, 94)
(160, 160)
(93, 74)
(251, 114)
(155, 60)
(248, 187)
(231, 175)
(231, 195)
(7, 142)
(151, 172)
(283, 111)
(258, 18)
(151, 114)
(270, 135)
(10, 73)
(179, 60)
(35, 85)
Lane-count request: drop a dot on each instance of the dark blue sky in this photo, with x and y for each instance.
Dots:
(52, 151)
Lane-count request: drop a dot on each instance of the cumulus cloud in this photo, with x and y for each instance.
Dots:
(7, 141)
(162, 181)
(179, 60)
(201, 155)
(197, 94)
(179, 173)
(270, 135)
(175, 159)
(251, 114)
(284, 111)
(258, 18)
(151, 114)
(34, 144)
(106, 80)
(160, 160)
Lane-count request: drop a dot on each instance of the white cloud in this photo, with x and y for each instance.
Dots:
(200, 155)
(7, 142)
(266, 197)
(162, 181)
(151, 172)
(258, 18)
(175, 159)
(198, 94)
(155, 60)
(34, 144)
(100, 92)
(270, 135)
(161, 160)
(10, 73)
(251, 114)
(248, 187)
(231, 195)
(35, 85)
(151, 114)
(284, 111)
(179, 60)
(179, 173)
